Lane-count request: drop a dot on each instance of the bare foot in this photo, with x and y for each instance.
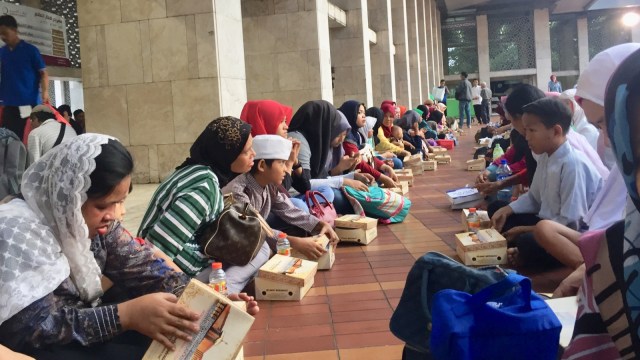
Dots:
(512, 256)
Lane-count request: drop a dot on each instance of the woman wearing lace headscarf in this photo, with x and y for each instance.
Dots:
(60, 241)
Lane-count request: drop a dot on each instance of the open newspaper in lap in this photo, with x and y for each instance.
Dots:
(488, 247)
(223, 326)
(285, 278)
(356, 228)
(325, 262)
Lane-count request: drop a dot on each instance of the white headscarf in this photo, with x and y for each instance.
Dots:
(579, 120)
(54, 189)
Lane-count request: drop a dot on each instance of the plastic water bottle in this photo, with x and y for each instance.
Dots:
(497, 151)
(218, 279)
(473, 221)
(283, 246)
(502, 173)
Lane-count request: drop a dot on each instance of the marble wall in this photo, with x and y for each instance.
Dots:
(152, 77)
(350, 54)
(287, 50)
(383, 79)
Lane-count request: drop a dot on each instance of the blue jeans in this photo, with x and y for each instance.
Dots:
(397, 163)
(465, 107)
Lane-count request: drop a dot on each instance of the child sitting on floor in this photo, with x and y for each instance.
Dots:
(563, 188)
(398, 139)
(261, 188)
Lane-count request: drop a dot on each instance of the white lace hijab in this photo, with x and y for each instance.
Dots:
(46, 240)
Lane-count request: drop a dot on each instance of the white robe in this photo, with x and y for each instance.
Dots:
(564, 187)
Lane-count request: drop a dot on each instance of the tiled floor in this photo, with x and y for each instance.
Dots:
(346, 314)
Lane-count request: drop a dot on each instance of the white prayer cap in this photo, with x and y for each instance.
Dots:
(594, 79)
(272, 147)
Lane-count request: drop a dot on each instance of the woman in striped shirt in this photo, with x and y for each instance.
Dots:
(191, 196)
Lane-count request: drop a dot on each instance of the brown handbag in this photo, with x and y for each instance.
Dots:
(236, 235)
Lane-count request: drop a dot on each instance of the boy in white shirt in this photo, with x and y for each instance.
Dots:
(563, 188)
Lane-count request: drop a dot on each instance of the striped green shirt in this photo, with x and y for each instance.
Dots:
(185, 200)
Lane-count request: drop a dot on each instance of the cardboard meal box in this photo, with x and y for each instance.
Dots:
(416, 168)
(476, 164)
(325, 262)
(443, 159)
(404, 172)
(402, 188)
(412, 159)
(464, 195)
(356, 228)
(285, 278)
(485, 221)
(430, 165)
(223, 327)
(405, 176)
(438, 150)
(488, 247)
(431, 156)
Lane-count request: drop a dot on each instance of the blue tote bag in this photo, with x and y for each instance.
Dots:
(506, 320)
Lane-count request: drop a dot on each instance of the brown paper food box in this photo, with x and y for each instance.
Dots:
(325, 262)
(476, 164)
(485, 221)
(430, 165)
(356, 228)
(412, 159)
(223, 327)
(490, 249)
(405, 177)
(443, 159)
(438, 150)
(285, 278)
(404, 172)
(402, 188)
(416, 168)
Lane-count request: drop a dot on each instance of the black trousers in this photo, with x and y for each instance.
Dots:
(11, 120)
(486, 111)
(478, 110)
(130, 345)
(530, 254)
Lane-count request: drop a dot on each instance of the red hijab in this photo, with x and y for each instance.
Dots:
(265, 116)
(403, 109)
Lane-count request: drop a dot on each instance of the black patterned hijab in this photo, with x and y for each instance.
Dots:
(218, 146)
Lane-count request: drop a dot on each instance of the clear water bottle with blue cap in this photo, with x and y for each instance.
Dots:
(503, 172)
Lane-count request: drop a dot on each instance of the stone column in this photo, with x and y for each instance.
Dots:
(232, 81)
(401, 58)
(423, 49)
(543, 47)
(583, 43)
(414, 54)
(350, 54)
(482, 29)
(152, 75)
(439, 50)
(383, 77)
(287, 51)
(431, 45)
